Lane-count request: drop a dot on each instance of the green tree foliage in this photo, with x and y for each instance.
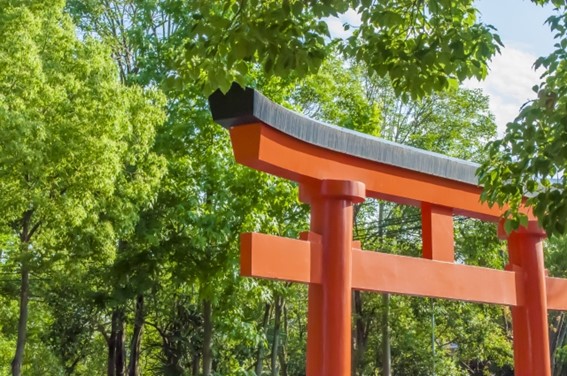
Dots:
(556, 260)
(530, 160)
(423, 45)
(69, 130)
(188, 238)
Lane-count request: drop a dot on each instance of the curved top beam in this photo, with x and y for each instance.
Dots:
(245, 106)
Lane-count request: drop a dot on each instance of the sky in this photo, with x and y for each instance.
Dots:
(521, 27)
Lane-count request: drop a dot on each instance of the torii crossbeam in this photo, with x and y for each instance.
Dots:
(336, 168)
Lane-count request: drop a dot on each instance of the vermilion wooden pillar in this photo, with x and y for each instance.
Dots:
(309, 194)
(529, 319)
(329, 317)
(338, 197)
(437, 232)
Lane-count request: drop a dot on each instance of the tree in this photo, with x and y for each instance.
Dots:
(66, 124)
(422, 46)
(204, 201)
(530, 160)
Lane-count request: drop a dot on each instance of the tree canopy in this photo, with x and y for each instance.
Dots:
(423, 47)
(71, 137)
(530, 160)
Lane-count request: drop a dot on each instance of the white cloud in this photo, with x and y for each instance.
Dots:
(335, 24)
(509, 84)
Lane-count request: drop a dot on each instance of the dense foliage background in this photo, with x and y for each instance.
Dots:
(121, 202)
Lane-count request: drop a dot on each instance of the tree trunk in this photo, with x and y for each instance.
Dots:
(385, 329)
(111, 365)
(283, 352)
(116, 349)
(386, 350)
(23, 318)
(195, 362)
(27, 230)
(557, 340)
(276, 336)
(360, 333)
(260, 352)
(136, 343)
(120, 345)
(207, 337)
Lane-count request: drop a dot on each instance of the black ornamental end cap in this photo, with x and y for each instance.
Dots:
(233, 108)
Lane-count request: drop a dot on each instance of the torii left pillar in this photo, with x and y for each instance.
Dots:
(329, 310)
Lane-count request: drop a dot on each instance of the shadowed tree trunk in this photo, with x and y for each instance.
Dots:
(195, 362)
(111, 365)
(359, 333)
(386, 350)
(136, 343)
(557, 340)
(120, 345)
(22, 320)
(386, 356)
(207, 337)
(283, 352)
(27, 231)
(276, 337)
(116, 349)
(260, 352)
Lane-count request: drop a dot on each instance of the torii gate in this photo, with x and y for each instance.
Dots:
(336, 168)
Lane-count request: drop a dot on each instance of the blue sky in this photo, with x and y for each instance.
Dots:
(521, 26)
(520, 23)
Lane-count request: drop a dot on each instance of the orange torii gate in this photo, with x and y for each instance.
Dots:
(336, 168)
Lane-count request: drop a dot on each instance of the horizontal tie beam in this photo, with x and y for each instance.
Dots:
(274, 257)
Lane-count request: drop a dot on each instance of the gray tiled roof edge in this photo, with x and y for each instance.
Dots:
(243, 106)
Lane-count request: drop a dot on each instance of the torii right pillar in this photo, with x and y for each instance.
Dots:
(529, 318)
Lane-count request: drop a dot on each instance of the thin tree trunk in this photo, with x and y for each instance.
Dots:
(283, 352)
(207, 337)
(195, 362)
(22, 320)
(386, 350)
(120, 345)
(111, 365)
(260, 352)
(359, 333)
(116, 349)
(136, 343)
(558, 340)
(555, 325)
(27, 230)
(283, 361)
(276, 337)
(386, 353)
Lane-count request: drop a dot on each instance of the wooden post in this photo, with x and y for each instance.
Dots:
(338, 197)
(529, 321)
(437, 232)
(329, 307)
(309, 195)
